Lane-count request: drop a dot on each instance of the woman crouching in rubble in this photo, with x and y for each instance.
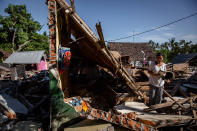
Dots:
(157, 73)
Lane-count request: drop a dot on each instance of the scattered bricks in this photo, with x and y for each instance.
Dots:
(109, 116)
(114, 118)
(146, 128)
(138, 125)
(52, 54)
(98, 115)
(51, 26)
(52, 62)
(132, 115)
(51, 17)
(51, 37)
(52, 34)
(10, 115)
(124, 122)
(52, 42)
(51, 22)
(124, 115)
(118, 119)
(52, 29)
(51, 6)
(103, 115)
(93, 112)
(52, 48)
(52, 58)
(131, 124)
(147, 122)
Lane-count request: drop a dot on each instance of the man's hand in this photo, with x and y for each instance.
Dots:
(161, 73)
(153, 74)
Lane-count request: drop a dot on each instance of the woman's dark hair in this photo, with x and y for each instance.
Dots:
(159, 54)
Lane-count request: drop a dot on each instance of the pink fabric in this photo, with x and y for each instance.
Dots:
(42, 65)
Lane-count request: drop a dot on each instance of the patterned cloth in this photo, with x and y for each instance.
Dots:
(64, 56)
(61, 111)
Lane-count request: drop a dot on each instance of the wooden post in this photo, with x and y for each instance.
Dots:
(193, 111)
(73, 5)
(173, 99)
(100, 33)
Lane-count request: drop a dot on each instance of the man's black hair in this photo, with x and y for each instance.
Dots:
(159, 54)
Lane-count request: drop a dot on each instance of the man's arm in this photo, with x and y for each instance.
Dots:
(152, 73)
(150, 70)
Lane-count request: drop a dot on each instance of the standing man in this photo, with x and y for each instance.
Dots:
(157, 71)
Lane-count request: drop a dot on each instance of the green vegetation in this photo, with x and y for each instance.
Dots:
(18, 31)
(172, 48)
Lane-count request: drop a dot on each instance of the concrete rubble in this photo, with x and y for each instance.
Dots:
(25, 103)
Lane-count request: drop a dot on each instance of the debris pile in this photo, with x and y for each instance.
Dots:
(96, 77)
(25, 102)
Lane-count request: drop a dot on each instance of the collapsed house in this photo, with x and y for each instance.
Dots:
(182, 62)
(24, 103)
(133, 56)
(133, 53)
(86, 80)
(22, 62)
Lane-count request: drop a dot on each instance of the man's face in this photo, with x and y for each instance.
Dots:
(159, 58)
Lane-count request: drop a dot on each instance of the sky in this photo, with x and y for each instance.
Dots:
(121, 18)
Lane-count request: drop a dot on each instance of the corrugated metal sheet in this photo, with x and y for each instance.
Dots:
(183, 58)
(26, 57)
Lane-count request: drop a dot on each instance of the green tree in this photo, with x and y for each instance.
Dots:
(18, 30)
(172, 48)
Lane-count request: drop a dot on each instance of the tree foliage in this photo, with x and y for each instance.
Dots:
(18, 31)
(172, 48)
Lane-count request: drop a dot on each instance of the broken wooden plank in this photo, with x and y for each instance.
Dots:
(157, 119)
(100, 33)
(167, 104)
(93, 43)
(173, 99)
(193, 111)
(73, 5)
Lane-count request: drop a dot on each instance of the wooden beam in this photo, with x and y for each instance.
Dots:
(100, 33)
(73, 5)
(173, 99)
(104, 52)
(193, 111)
(168, 104)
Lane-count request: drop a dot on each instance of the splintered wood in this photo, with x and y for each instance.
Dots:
(65, 23)
(91, 45)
